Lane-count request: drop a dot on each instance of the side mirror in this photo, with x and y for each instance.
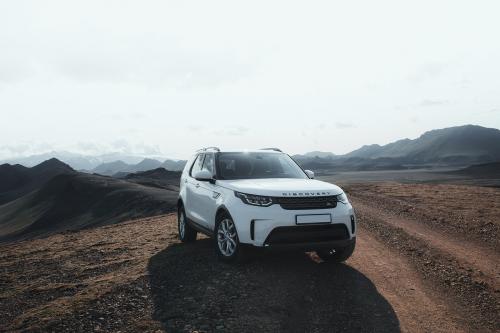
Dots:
(203, 175)
(310, 174)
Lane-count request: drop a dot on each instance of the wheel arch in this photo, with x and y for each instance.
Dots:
(222, 210)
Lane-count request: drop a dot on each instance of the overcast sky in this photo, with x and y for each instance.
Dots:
(168, 77)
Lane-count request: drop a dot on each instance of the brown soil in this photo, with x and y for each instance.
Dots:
(407, 274)
(466, 212)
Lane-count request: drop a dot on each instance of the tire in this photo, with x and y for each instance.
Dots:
(337, 255)
(186, 233)
(226, 242)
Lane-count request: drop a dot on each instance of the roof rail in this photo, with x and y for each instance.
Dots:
(209, 148)
(275, 149)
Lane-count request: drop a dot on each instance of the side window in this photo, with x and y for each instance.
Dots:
(208, 164)
(198, 162)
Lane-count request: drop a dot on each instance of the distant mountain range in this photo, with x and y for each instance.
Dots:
(463, 143)
(104, 164)
(120, 168)
(454, 146)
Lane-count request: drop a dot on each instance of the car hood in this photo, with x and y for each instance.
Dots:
(282, 187)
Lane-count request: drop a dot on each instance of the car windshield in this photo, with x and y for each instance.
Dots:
(246, 165)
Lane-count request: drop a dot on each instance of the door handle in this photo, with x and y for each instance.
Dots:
(197, 185)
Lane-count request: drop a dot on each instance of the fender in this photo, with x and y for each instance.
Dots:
(222, 209)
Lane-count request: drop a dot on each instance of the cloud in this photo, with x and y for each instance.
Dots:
(176, 66)
(121, 145)
(146, 149)
(422, 104)
(232, 131)
(25, 148)
(428, 71)
(139, 115)
(90, 148)
(341, 125)
(170, 65)
(13, 71)
(87, 147)
(123, 116)
(321, 126)
(17, 149)
(195, 128)
(432, 102)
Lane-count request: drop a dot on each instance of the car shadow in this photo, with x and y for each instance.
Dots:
(272, 292)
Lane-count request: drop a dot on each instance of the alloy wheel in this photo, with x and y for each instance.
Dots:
(226, 237)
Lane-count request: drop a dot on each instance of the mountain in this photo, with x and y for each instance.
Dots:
(75, 200)
(76, 161)
(159, 174)
(13, 176)
(351, 164)
(174, 165)
(79, 161)
(320, 154)
(486, 170)
(159, 177)
(146, 164)
(17, 180)
(119, 169)
(111, 168)
(315, 155)
(462, 144)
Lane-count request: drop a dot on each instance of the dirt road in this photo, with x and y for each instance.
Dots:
(137, 277)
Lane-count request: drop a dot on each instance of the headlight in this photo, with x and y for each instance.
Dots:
(254, 200)
(342, 198)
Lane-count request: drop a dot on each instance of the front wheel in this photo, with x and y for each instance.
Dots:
(337, 255)
(227, 244)
(186, 232)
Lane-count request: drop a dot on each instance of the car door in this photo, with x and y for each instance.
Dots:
(208, 194)
(192, 204)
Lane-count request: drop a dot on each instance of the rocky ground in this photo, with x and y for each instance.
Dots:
(421, 264)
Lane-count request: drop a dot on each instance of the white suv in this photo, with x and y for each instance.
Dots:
(262, 198)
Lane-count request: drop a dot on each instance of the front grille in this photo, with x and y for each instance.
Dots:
(295, 203)
(307, 234)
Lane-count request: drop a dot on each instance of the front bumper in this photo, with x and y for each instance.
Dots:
(313, 246)
(259, 225)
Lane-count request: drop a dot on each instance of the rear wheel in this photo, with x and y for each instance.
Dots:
(227, 244)
(337, 255)
(186, 232)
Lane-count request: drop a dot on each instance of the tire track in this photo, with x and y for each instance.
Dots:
(418, 308)
(454, 281)
(484, 261)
